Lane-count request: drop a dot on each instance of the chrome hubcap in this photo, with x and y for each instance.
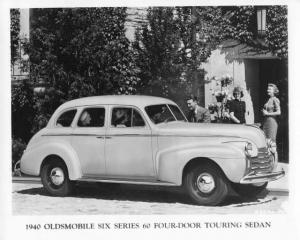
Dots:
(205, 182)
(57, 176)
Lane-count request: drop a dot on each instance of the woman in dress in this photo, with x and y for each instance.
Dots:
(270, 112)
(237, 107)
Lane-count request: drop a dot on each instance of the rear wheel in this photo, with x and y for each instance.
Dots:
(248, 190)
(206, 185)
(55, 178)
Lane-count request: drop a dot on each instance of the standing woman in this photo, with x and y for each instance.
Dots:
(237, 107)
(270, 112)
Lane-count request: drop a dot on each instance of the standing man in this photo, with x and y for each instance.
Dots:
(197, 113)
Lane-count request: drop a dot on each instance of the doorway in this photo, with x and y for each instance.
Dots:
(258, 73)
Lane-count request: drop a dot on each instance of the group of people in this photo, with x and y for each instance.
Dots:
(237, 109)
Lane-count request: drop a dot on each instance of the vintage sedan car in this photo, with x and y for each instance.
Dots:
(147, 140)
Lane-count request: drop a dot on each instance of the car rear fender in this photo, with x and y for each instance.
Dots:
(33, 158)
(170, 162)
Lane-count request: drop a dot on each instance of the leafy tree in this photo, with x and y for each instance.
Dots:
(14, 33)
(78, 52)
(22, 102)
(170, 48)
(158, 54)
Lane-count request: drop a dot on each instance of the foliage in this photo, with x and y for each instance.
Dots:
(18, 146)
(170, 48)
(277, 34)
(158, 54)
(14, 33)
(239, 23)
(79, 52)
(173, 43)
(22, 101)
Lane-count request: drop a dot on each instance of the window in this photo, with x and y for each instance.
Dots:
(159, 113)
(137, 120)
(92, 117)
(66, 119)
(126, 117)
(178, 114)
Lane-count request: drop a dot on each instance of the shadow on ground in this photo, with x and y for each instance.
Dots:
(138, 193)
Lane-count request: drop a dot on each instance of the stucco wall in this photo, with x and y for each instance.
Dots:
(222, 63)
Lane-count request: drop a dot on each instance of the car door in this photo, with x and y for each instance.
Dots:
(128, 145)
(88, 140)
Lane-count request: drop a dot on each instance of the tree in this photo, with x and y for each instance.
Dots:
(170, 47)
(158, 54)
(79, 52)
(167, 54)
(22, 102)
(14, 33)
(22, 115)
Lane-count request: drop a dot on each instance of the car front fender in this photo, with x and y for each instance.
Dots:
(171, 162)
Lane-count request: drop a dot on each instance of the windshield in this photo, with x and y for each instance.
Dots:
(164, 113)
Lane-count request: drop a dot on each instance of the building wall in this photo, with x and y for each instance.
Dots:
(221, 63)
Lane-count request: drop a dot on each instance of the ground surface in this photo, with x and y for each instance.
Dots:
(31, 199)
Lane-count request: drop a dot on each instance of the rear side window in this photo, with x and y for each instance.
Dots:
(126, 117)
(66, 119)
(92, 117)
(137, 120)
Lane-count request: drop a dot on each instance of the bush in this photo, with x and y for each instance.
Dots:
(18, 147)
(22, 110)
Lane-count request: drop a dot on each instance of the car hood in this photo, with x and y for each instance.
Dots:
(248, 132)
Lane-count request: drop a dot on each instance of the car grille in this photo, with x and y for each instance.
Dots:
(263, 163)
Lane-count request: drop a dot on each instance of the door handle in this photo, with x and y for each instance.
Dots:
(102, 137)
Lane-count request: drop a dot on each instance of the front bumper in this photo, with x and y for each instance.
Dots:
(253, 177)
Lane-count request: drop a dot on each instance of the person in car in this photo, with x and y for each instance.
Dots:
(85, 119)
(121, 117)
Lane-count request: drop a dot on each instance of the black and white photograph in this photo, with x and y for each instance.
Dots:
(172, 118)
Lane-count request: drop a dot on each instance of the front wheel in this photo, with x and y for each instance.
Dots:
(55, 178)
(206, 185)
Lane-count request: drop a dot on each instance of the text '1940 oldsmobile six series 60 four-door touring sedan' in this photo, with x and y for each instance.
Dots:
(147, 140)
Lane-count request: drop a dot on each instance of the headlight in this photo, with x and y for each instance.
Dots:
(271, 146)
(251, 150)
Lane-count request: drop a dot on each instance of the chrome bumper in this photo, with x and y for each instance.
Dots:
(261, 177)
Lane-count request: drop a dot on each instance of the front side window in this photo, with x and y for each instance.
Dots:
(159, 113)
(92, 117)
(66, 119)
(126, 117)
(178, 114)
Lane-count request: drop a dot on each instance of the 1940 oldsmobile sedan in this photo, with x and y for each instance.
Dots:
(147, 140)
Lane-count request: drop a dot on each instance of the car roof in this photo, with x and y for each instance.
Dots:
(135, 100)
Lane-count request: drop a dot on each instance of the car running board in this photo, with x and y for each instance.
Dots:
(133, 181)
